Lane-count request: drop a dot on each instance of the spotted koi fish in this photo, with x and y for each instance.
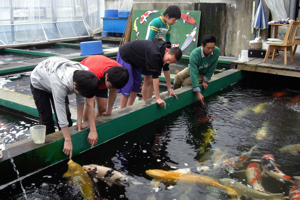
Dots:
(294, 193)
(269, 166)
(253, 174)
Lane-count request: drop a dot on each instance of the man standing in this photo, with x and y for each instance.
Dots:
(52, 81)
(152, 55)
(202, 65)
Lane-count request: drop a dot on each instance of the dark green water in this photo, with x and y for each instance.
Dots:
(177, 140)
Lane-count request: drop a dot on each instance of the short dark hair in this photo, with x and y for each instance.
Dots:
(209, 39)
(176, 51)
(87, 83)
(118, 76)
(173, 12)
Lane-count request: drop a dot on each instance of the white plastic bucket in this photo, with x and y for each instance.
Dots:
(244, 57)
(38, 133)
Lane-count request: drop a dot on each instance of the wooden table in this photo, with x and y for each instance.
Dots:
(275, 27)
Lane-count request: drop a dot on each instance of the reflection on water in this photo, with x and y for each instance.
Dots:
(14, 126)
(181, 139)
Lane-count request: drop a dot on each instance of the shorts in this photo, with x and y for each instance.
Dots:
(134, 83)
(146, 72)
(103, 93)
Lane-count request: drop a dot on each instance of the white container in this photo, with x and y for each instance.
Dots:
(38, 133)
(244, 57)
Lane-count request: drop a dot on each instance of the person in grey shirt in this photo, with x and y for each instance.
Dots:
(51, 82)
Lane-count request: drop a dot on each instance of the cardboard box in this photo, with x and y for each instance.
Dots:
(257, 53)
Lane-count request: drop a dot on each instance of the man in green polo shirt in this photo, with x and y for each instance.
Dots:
(202, 65)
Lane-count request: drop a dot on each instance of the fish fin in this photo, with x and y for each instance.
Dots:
(155, 182)
(255, 160)
(66, 175)
(109, 183)
(232, 193)
(277, 195)
(294, 152)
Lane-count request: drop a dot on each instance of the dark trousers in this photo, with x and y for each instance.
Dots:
(43, 101)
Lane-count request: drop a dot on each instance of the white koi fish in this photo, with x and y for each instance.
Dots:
(253, 174)
(269, 166)
(146, 15)
(242, 113)
(243, 190)
(293, 149)
(190, 38)
(262, 132)
(110, 176)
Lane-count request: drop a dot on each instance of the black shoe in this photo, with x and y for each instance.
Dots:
(176, 86)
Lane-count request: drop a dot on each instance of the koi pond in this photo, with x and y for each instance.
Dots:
(261, 111)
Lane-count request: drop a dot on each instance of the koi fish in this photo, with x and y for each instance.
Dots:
(296, 100)
(280, 94)
(294, 193)
(238, 161)
(175, 45)
(146, 15)
(3, 126)
(293, 149)
(253, 174)
(78, 177)
(110, 176)
(208, 137)
(190, 38)
(173, 177)
(203, 120)
(262, 132)
(135, 28)
(187, 18)
(243, 190)
(242, 113)
(215, 154)
(137, 35)
(260, 107)
(269, 166)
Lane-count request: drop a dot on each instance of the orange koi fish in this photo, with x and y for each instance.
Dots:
(203, 120)
(187, 18)
(296, 100)
(280, 94)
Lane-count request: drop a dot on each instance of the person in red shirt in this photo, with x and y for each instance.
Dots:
(112, 77)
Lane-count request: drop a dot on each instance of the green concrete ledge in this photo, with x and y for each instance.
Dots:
(108, 127)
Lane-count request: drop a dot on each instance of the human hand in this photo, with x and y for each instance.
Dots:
(204, 85)
(93, 138)
(68, 148)
(161, 103)
(200, 97)
(171, 93)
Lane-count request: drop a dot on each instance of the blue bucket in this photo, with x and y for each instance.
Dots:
(104, 34)
(111, 13)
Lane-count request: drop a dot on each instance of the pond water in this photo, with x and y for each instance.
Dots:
(56, 49)
(14, 126)
(13, 57)
(180, 140)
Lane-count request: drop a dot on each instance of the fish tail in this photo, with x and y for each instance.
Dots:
(277, 196)
(231, 192)
(296, 180)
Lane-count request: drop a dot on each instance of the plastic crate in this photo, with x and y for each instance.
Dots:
(124, 14)
(111, 13)
(91, 48)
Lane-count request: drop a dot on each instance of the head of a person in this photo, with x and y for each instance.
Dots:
(86, 83)
(116, 77)
(172, 14)
(208, 44)
(172, 55)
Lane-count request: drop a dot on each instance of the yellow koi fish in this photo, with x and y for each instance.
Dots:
(260, 107)
(174, 177)
(135, 28)
(293, 149)
(208, 137)
(80, 179)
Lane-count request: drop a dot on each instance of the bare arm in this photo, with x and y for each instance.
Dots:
(111, 100)
(68, 147)
(169, 86)
(159, 101)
